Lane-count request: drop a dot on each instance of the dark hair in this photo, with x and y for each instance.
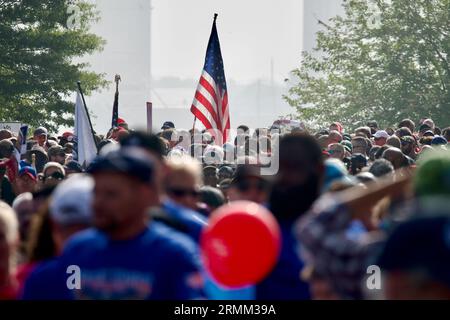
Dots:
(147, 141)
(446, 133)
(380, 151)
(381, 167)
(408, 123)
(40, 244)
(372, 152)
(404, 131)
(437, 131)
(244, 128)
(304, 142)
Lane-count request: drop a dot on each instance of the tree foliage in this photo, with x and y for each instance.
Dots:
(383, 60)
(40, 43)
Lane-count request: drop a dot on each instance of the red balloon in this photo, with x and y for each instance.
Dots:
(241, 244)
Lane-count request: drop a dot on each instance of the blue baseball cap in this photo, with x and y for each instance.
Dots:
(438, 140)
(29, 171)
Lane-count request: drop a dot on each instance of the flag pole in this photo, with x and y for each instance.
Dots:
(87, 113)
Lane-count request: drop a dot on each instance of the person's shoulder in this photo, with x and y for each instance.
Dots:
(186, 213)
(168, 239)
(45, 281)
(89, 238)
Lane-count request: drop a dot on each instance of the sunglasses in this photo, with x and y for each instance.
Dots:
(180, 192)
(55, 175)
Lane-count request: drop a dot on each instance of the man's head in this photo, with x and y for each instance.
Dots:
(23, 206)
(124, 189)
(5, 134)
(380, 137)
(57, 154)
(408, 144)
(225, 172)
(248, 184)
(299, 180)
(402, 132)
(336, 126)
(381, 167)
(71, 207)
(408, 123)
(373, 125)
(446, 134)
(40, 136)
(359, 145)
(394, 141)
(183, 181)
(323, 141)
(6, 148)
(334, 137)
(168, 125)
(429, 122)
(72, 167)
(26, 180)
(54, 173)
(416, 259)
(394, 156)
(337, 151)
(424, 128)
(363, 132)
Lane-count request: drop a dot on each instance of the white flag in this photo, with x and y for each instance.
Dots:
(85, 149)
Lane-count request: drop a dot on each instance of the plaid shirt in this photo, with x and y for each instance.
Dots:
(340, 259)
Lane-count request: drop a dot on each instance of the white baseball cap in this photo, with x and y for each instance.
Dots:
(71, 201)
(381, 134)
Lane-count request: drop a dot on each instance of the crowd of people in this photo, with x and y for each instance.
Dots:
(132, 219)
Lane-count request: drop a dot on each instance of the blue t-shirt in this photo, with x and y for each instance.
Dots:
(156, 264)
(191, 220)
(284, 282)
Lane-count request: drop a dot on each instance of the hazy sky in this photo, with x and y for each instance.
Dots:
(251, 32)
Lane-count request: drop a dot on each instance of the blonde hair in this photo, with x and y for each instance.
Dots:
(186, 164)
(9, 220)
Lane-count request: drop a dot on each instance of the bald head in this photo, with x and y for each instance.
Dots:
(394, 156)
(394, 141)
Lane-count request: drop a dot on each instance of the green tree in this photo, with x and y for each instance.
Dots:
(40, 44)
(383, 60)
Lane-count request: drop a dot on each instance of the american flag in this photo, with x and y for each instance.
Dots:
(210, 103)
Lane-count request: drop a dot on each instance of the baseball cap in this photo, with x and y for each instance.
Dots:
(409, 139)
(168, 125)
(420, 244)
(56, 150)
(212, 196)
(372, 123)
(29, 171)
(71, 202)
(72, 165)
(131, 161)
(438, 140)
(347, 145)
(381, 134)
(40, 131)
(424, 127)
